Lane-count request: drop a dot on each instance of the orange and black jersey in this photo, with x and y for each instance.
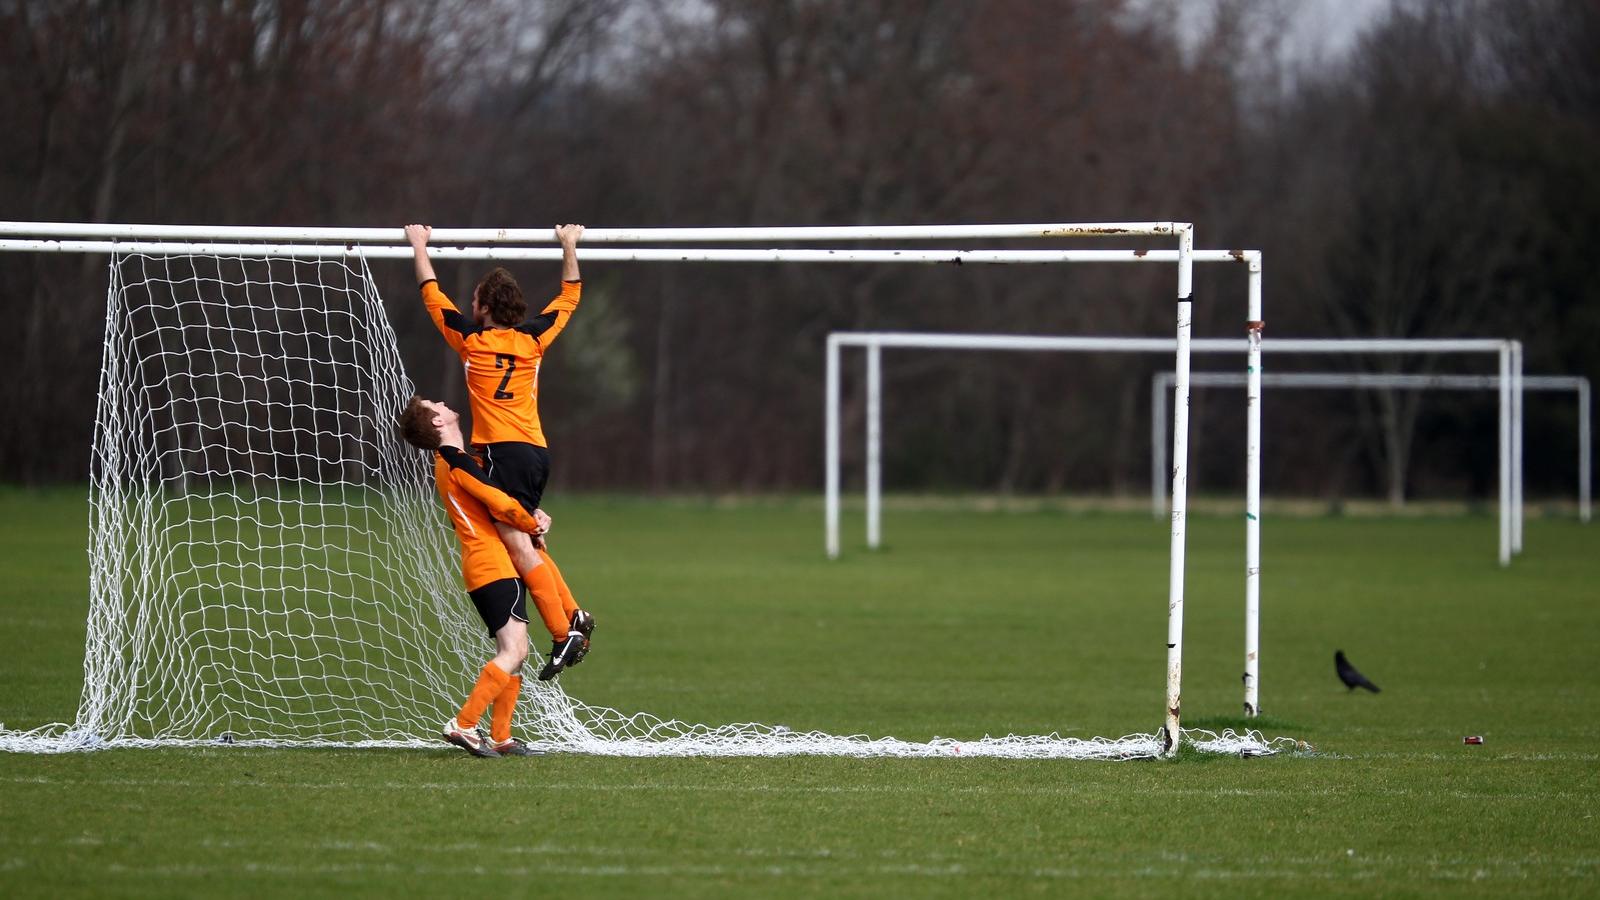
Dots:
(502, 363)
(474, 504)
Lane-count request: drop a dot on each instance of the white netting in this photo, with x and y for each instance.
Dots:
(269, 564)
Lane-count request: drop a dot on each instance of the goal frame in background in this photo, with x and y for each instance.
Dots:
(1511, 420)
(497, 244)
(1508, 352)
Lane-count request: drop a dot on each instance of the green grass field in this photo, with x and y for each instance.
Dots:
(967, 623)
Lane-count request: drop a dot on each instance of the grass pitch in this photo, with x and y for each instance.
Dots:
(966, 624)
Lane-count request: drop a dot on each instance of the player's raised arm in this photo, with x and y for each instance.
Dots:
(418, 236)
(568, 235)
(449, 320)
(552, 320)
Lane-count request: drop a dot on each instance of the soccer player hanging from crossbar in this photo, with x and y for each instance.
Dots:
(502, 354)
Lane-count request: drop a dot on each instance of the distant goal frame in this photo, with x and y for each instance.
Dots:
(1512, 423)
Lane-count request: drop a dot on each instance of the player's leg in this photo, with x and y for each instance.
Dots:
(462, 729)
(569, 604)
(522, 470)
(512, 643)
(567, 650)
(578, 619)
(499, 604)
(539, 578)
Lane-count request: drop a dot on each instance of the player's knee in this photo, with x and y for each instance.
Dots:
(520, 547)
(510, 661)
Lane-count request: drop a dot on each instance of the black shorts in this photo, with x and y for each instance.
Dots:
(519, 469)
(499, 602)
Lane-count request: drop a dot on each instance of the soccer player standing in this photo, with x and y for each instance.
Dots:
(502, 354)
(476, 507)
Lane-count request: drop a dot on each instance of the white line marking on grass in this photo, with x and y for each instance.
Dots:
(698, 788)
(1459, 756)
(1057, 790)
(10, 622)
(1288, 870)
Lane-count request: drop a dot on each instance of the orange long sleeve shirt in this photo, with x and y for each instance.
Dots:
(503, 363)
(474, 504)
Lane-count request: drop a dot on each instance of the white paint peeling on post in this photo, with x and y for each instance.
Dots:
(1252, 497)
(1172, 726)
(874, 444)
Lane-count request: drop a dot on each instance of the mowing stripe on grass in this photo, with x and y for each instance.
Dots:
(723, 788)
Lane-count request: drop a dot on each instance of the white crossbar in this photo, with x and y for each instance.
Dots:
(598, 235)
(1148, 345)
(602, 254)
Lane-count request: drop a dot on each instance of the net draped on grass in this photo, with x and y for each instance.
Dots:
(269, 564)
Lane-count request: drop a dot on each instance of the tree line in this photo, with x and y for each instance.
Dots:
(1436, 180)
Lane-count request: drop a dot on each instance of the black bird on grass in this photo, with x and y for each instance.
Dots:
(1348, 674)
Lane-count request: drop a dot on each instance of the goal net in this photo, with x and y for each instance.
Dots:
(269, 563)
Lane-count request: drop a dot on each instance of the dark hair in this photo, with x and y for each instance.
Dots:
(416, 425)
(499, 296)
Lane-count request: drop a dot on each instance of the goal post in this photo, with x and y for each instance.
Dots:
(1510, 417)
(234, 469)
(875, 341)
(1508, 354)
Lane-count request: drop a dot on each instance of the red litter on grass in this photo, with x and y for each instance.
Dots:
(1472, 739)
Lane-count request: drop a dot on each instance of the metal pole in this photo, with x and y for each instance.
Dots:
(1584, 459)
(1342, 346)
(1252, 499)
(598, 235)
(831, 451)
(874, 445)
(1516, 448)
(601, 254)
(1505, 453)
(1172, 726)
(1398, 382)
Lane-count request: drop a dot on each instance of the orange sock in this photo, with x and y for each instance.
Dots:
(504, 705)
(490, 682)
(568, 604)
(541, 584)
